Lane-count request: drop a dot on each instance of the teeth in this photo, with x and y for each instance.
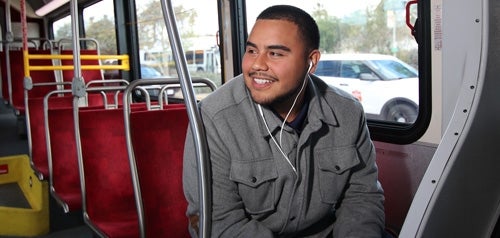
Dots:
(262, 81)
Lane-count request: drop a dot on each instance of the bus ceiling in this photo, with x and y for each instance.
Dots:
(31, 5)
(37, 8)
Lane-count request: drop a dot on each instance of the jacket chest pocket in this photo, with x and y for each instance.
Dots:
(334, 171)
(256, 184)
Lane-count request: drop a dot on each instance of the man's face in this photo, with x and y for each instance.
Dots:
(274, 64)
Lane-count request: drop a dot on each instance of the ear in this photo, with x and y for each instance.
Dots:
(313, 60)
(310, 66)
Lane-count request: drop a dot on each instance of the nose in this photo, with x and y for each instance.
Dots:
(260, 63)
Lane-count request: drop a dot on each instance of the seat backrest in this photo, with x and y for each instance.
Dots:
(109, 202)
(61, 150)
(3, 74)
(41, 76)
(87, 74)
(62, 155)
(38, 76)
(64, 174)
(35, 119)
(158, 141)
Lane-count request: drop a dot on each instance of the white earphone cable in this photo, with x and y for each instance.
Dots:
(293, 105)
(274, 140)
(284, 121)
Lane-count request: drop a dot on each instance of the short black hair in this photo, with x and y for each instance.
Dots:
(308, 29)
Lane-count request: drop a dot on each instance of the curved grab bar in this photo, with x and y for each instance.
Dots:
(61, 42)
(195, 122)
(201, 82)
(162, 84)
(107, 81)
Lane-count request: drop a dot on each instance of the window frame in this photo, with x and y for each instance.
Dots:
(385, 131)
(405, 134)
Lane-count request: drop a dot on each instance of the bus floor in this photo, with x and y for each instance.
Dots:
(12, 143)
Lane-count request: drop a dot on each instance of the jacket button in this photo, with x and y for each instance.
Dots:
(337, 167)
(254, 179)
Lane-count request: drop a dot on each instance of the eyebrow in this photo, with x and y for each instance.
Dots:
(272, 47)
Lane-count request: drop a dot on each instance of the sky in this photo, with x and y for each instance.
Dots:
(207, 18)
(337, 8)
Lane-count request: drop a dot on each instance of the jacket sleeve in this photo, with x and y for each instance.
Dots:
(228, 213)
(361, 211)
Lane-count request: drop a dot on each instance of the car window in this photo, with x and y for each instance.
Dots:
(328, 68)
(391, 69)
(349, 70)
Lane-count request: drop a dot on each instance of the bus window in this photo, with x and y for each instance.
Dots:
(98, 26)
(371, 42)
(101, 26)
(203, 61)
(199, 56)
(197, 28)
(62, 28)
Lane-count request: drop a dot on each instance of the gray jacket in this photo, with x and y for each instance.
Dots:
(256, 193)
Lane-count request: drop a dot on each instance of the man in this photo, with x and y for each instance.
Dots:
(289, 156)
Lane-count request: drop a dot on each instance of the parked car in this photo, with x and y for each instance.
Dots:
(386, 86)
(148, 72)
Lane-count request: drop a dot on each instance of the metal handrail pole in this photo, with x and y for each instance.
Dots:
(78, 86)
(9, 37)
(201, 148)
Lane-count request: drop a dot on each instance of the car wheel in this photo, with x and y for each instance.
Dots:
(403, 113)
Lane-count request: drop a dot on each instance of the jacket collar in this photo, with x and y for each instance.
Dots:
(320, 108)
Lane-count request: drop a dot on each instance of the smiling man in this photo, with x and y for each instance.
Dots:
(289, 155)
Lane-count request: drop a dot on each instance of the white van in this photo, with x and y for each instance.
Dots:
(386, 86)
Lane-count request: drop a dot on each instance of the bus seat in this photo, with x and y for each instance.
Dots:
(109, 205)
(39, 76)
(62, 154)
(3, 71)
(65, 180)
(64, 172)
(35, 117)
(87, 74)
(158, 141)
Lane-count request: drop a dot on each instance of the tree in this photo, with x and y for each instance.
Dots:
(103, 31)
(367, 31)
(64, 31)
(329, 28)
(151, 26)
(375, 36)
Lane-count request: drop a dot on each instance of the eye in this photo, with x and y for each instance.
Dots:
(251, 51)
(275, 54)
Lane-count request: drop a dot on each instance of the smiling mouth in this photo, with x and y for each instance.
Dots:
(262, 81)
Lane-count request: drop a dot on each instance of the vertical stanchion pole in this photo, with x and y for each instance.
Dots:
(78, 85)
(194, 120)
